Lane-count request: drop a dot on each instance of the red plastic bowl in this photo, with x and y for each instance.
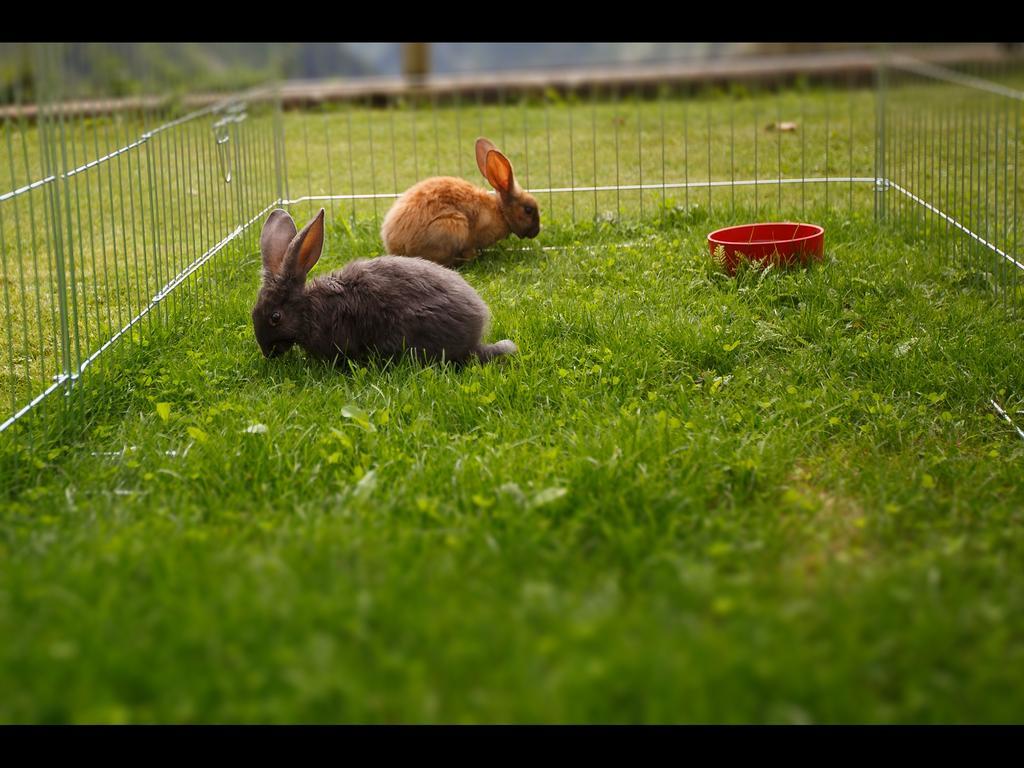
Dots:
(781, 243)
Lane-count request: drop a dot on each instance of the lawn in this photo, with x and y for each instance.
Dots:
(779, 497)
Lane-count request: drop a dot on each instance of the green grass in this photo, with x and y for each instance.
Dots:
(781, 497)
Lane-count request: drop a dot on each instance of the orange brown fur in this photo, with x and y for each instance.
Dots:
(448, 220)
(445, 220)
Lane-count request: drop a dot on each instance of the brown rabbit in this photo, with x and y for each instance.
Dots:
(383, 306)
(447, 220)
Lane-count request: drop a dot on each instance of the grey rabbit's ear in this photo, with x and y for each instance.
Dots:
(483, 146)
(278, 232)
(305, 248)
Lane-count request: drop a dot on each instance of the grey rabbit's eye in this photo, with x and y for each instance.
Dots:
(275, 318)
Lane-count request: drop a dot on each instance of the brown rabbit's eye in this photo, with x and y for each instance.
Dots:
(528, 210)
(275, 318)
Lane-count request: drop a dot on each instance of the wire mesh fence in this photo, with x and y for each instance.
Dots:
(110, 220)
(120, 218)
(597, 152)
(949, 149)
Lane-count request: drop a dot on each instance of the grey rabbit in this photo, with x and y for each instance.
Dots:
(383, 306)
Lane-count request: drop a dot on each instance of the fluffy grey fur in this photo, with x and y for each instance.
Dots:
(383, 306)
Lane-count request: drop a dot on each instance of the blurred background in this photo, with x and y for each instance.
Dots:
(120, 69)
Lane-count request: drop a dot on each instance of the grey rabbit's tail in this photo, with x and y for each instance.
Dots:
(488, 352)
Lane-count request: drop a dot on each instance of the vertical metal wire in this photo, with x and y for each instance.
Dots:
(8, 312)
(963, 165)
(708, 127)
(79, 240)
(252, 197)
(137, 190)
(686, 147)
(54, 226)
(125, 247)
(526, 138)
(501, 116)
(184, 234)
(896, 168)
(849, 99)
(757, 172)
(547, 130)
(309, 168)
(236, 197)
(778, 143)
(923, 213)
(593, 130)
(949, 165)
(270, 162)
(930, 165)
(213, 184)
(972, 224)
(457, 103)
(74, 353)
(570, 103)
(983, 192)
(276, 140)
(997, 239)
(615, 113)
(827, 140)
(881, 170)
(976, 195)
(661, 113)
(327, 153)
(394, 151)
(198, 229)
(163, 269)
(479, 114)
(74, 267)
(898, 155)
(413, 102)
(437, 140)
(1016, 187)
(50, 252)
(113, 226)
(283, 142)
(167, 182)
(732, 153)
(803, 150)
(900, 160)
(85, 179)
(640, 151)
(198, 138)
(1006, 194)
(20, 250)
(21, 269)
(234, 191)
(158, 245)
(915, 164)
(373, 164)
(351, 166)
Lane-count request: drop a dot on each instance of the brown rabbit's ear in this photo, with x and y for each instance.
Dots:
(305, 248)
(483, 146)
(498, 171)
(278, 232)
